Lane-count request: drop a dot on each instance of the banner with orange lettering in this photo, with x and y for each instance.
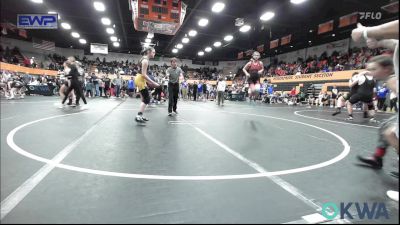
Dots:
(312, 77)
(348, 20)
(22, 69)
(274, 44)
(286, 40)
(325, 27)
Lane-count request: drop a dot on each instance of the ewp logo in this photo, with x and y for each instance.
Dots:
(370, 15)
(38, 21)
(378, 210)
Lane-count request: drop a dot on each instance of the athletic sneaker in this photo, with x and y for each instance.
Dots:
(335, 113)
(139, 119)
(373, 120)
(145, 119)
(394, 195)
(176, 112)
(350, 118)
(169, 114)
(375, 162)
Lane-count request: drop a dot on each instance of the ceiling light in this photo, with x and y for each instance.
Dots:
(311, 31)
(150, 35)
(82, 41)
(179, 46)
(297, 1)
(110, 30)
(75, 35)
(66, 26)
(208, 49)
(37, 1)
(228, 38)
(99, 6)
(218, 7)
(53, 12)
(203, 22)
(245, 28)
(291, 46)
(185, 40)
(146, 45)
(201, 53)
(192, 33)
(113, 38)
(105, 21)
(333, 35)
(148, 40)
(116, 44)
(175, 50)
(217, 44)
(267, 16)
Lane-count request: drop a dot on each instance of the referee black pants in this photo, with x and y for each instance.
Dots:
(173, 91)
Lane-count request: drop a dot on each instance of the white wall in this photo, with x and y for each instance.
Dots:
(340, 46)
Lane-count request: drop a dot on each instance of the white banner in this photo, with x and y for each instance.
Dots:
(98, 48)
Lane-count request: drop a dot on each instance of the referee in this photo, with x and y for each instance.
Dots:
(173, 73)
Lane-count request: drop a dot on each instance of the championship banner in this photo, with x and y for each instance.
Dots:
(240, 55)
(313, 77)
(325, 27)
(274, 44)
(249, 52)
(286, 40)
(23, 69)
(348, 20)
(260, 48)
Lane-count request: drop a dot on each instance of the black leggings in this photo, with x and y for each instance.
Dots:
(173, 90)
(75, 85)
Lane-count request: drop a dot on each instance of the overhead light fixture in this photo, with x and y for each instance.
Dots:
(208, 49)
(110, 30)
(192, 33)
(245, 28)
(148, 40)
(185, 40)
(201, 53)
(267, 16)
(175, 50)
(218, 7)
(311, 31)
(105, 21)
(66, 26)
(75, 35)
(297, 1)
(217, 44)
(99, 6)
(82, 41)
(179, 46)
(37, 1)
(333, 35)
(146, 45)
(150, 35)
(291, 46)
(203, 22)
(113, 38)
(53, 12)
(228, 38)
(116, 44)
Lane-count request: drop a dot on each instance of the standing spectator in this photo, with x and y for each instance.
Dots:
(95, 84)
(131, 87)
(184, 88)
(117, 84)
(195, 91)
(334, 96)
(221, 87)
(382, 92)
(173, 73)
(107, 83)
(101, 87)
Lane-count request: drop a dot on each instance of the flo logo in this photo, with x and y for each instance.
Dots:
(370, 15)
(371, 211)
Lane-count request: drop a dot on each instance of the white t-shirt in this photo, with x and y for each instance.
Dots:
(221, 85)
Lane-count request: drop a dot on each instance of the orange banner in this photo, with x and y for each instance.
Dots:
(240, 55)
(324, 76)
(325, 27)
(22, 69)
(348, 20)
(286, 40)
(260, 48)
(274, 44)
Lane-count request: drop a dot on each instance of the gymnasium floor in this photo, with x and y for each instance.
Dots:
(240, 163)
